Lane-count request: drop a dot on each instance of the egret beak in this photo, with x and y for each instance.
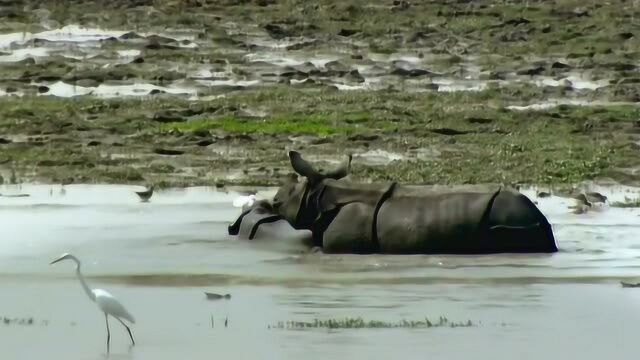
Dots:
(59, 259)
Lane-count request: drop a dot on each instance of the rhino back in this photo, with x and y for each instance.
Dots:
(432, 223)
(350, 230)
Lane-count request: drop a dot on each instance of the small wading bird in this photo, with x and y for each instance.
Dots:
(241, 201)
(145, 195)
(587, 201)
(105, 301)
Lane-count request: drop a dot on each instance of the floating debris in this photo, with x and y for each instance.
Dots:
(629, 285)
(214, 296)
(21, 321)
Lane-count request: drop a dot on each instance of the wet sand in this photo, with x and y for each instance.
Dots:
(159, 258)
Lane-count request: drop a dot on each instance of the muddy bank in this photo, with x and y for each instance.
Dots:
(197, 49)
(188, 93)
(243, 139)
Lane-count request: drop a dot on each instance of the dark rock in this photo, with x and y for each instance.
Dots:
(410, 72)
(546, 29)
(10, 89)
(399, 5)
(245, 137)
(478, 120)
(517, 21)
(559, 65)
(276, 31)
(291, 73)
(337, 67)
(43, 89)
(130, 35)
(162, 151)
(347, 32)
(166, 75)
(512, 22)
(156, 92)
(201, 133)
(87, 83)
(618, 66)
(47, 78)
(160, 39)
(138, 60)
(404, 68)
(531, 71)
(322, 140)
(5, 141)
(26, 62)
(264, 3)
(514, 36)
(357, 57)
(48, 163)
(205, 142)
(625, 35)
(449, 131)
(117, 144)
(363, 137)
(355, 76)
(543, 194)
(110, 40)
(169, 116)
(93, 143)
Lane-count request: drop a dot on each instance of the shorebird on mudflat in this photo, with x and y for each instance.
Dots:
(596, 197)
(145, 195)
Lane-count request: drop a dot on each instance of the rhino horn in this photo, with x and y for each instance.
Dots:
(303, 167)
(342, 170)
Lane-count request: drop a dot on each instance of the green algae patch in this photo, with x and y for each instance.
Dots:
(286, 124)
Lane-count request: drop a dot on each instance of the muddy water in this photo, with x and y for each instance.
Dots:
(160, 257)
(92, 51)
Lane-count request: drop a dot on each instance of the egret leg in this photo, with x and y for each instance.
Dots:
(128, 330)
(106, 320)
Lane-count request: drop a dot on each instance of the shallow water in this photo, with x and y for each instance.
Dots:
(159, 257)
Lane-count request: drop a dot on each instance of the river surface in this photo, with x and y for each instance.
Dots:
(158, 258)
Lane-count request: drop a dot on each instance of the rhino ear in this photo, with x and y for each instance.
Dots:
(342, 170)
(302, 167)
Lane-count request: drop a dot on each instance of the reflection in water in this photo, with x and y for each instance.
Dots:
(160, 257)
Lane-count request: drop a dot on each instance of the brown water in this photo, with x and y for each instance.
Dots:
(158, 259)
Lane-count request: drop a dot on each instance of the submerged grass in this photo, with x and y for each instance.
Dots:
(360, 323)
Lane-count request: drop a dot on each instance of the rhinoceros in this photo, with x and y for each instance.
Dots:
(248, 226)
(357, 218)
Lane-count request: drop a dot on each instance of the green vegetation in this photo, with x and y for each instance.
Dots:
(628, 203)
(473, 138)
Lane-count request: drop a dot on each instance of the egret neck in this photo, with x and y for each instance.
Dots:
(85, 286)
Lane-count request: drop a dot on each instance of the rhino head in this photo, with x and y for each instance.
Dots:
(292, 201)
(248, 222)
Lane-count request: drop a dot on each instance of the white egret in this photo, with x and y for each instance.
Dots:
(105, 301)
(241, 201)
